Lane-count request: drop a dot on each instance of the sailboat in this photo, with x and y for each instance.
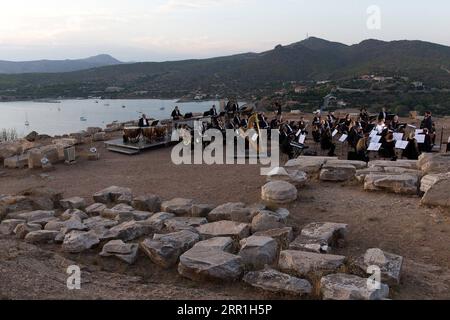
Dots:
(27, 123)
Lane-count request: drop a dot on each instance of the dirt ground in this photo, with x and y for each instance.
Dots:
(397, 224)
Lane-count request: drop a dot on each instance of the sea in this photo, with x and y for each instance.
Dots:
(70, 116)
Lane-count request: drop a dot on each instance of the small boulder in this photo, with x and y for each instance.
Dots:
(400, 184)
(279, 192)
(79, 241)
(205, 264)
(126, 252)
(283, 236)
(164, 250)
(201, 210)
(232, 229)
(113, 194)
(234, 211)
(309, 264)
(178, 206)
(320, 237)
(220, 243)
(257, 251)
(274, 281)
(23, 229)
(7, 226)
(184, 223)
(267, 220)
(95, 209)
(148, 202)
(41, 236)
(73, 203)
(349, 287)
(337, 172)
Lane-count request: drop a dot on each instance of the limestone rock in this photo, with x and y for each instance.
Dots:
(121, 212)
(220, 243)
(235, 211)
(283, 236)
(361, 174)
(438, 193)
(73, 203)
(79, 241)
(124, 251)
(113, 194)
(203, 264)
(142, 215)
(337, 172)
(296, 177)
(274, 281)
(408, 164)
(389, 264)
(99, 222)
(309, 165)
(16, 162)
(7, 226)
(73, 223)
(309, 264)
(148, 202)
(39, 216)
(127, 231)
(279, 192)
(320, 237)
(178, 206)
(41, 236)
(232, 229)
(257, 251)
(95, 209)
(437, 163)
(157, 221)
(349, 287)
(400, 184)
(267, 220)
(359, 165)
(164, 250)
(70, 213)
(184, 223)
(23, 229)
(201, 210)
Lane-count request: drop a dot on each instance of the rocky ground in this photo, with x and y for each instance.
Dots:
(398, 224)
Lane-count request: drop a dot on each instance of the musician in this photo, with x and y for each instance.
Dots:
(380, 126)
(428, 124)
(176, 114)
(285, 141)
(143, 122)
(362, 146)
(331, 118)
(364, 115)
(236, 120)
(395, 124)
(411, 152)
(317, 118)
(427, 146)
(326, 142)
(388, 145)
(382, 115)
(263, 124)
(274, 124)
(244, 122)
(213, 111)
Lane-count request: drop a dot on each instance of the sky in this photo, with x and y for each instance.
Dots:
(159, 30)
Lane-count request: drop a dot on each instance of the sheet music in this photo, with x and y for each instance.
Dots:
(335, 132)
(302, 139)
(419, 131)
(411, 126)
(374, 147)
(400, 144)
(420, 138)
(343, 138)
(375, 139)
(373, 133)
(398, 136)
(255, 137)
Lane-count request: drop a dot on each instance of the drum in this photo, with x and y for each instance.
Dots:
(149, 134)
(132, 134)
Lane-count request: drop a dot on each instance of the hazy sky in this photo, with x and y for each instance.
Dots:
(155, 30)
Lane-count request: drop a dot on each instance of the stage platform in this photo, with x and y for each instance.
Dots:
(131, 148)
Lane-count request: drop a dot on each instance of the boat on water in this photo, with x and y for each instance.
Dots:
(83, 119)
(123, 107)
(162, 108)
(106, 104)
(27, 123)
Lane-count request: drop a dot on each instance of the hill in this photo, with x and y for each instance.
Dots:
(308, 60)
(54, 66)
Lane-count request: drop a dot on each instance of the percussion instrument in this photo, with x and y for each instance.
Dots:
(132, 134)
(157, 133)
